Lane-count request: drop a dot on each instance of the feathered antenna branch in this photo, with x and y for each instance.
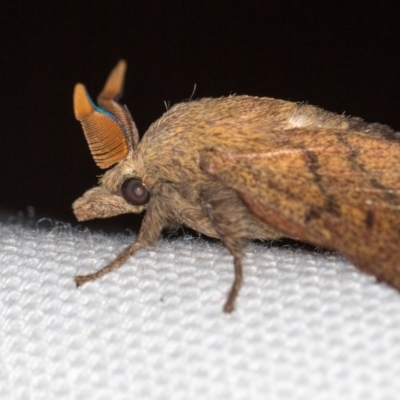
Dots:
(109, 129)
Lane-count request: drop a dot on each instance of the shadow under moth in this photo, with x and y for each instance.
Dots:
(239, 168)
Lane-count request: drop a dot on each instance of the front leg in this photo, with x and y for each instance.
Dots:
(152, 225)
(222, 210)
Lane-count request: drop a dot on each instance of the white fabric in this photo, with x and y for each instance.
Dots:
(307, 326)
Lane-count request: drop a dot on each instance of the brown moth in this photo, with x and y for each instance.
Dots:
(239, 168)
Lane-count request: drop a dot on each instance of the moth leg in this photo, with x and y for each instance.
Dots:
(113, 265)
(237, 284)
(227, 224)
(152, 225)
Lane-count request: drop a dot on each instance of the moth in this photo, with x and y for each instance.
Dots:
(239, 168)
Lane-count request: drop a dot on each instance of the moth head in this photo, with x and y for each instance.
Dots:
(112, 138)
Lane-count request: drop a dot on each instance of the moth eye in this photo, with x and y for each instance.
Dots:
(134, 192)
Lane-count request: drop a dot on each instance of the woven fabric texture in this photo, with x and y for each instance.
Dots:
(308, 325)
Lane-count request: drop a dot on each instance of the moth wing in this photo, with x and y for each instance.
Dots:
(336, 189)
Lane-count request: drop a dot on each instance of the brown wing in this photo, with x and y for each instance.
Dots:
(336, 189)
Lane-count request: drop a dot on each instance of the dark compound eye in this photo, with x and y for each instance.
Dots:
(134, 192)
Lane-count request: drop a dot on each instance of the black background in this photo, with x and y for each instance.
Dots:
(342, 56)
